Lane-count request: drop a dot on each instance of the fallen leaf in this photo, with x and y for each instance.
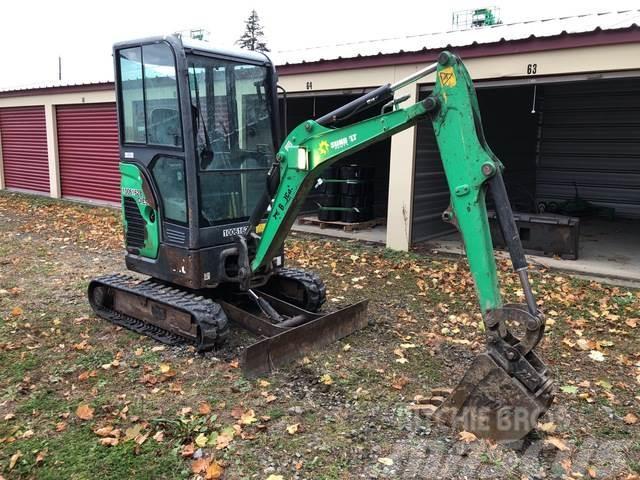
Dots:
(326, 379)
(632, 322)
(104, 431)
(204, 408)
(109, 442)
(236, 412)
(596, 356)
(16, 312)
(14, 459)
(158, 348)
(159, 436)
(263, 383)
(140, 439)
(9, 416)
(385, 461)
(548, 427)
(557, 442)
(200, 465)
(40, 456)
(234, 363)
(270, 398)
(214, 472)
(132, 432)
(248, 417)
(223, 440)
(467, 437)
(84, 412)
(293, 429)
(165, 368)
(630, 418)
(275, 477)
(591, 471)
(201, 440)
(187, 450)
(61, 426)
(401, 360)
(82, 346)
(86, 375)
(584, 344)
(346, 348)
(570, 389)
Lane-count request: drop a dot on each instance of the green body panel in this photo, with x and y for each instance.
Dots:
(464, 152)
(131, 185)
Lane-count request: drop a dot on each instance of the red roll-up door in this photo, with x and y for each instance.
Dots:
(88, 151)
(23, 133)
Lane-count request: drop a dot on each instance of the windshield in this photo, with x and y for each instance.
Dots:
(231, 111)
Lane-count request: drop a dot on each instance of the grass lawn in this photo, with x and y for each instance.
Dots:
(83, 399)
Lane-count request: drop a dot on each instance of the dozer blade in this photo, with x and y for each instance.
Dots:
(272, 352)
(492, 404)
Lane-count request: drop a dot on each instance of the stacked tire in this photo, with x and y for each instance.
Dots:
(356, 193)
(330, 199)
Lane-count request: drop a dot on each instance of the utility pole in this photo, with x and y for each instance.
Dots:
(59, 68)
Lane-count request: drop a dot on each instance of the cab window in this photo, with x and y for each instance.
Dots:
(149, 96)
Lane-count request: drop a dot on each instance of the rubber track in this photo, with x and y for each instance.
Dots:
(312, 283)
(208, 315)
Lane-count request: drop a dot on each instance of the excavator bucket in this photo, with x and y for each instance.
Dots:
(493, 404)
(299, 334)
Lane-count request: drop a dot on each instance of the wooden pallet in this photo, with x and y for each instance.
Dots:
(346, 226)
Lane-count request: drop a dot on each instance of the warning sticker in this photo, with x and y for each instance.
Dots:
(447, 77)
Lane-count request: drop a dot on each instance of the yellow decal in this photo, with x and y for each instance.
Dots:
(260, 227)
(447, 77)
(323, 148)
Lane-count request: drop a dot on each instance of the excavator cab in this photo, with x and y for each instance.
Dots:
(198, 139)
(199, 132)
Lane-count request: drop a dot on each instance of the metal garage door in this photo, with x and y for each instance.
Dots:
(590, 141)
(24, 148)
(430, 190)
(88, 151)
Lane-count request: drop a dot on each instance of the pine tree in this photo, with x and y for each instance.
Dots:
(252, 38)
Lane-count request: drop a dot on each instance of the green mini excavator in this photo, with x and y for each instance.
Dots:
(209, 194)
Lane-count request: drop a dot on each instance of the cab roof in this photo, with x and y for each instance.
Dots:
(199, 47)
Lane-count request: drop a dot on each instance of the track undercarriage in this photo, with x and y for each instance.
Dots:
(288, 327)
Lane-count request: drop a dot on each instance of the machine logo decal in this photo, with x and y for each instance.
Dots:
(323, 148)
(447, 77)
(339, 144)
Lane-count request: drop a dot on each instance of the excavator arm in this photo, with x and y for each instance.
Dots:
(502, 395)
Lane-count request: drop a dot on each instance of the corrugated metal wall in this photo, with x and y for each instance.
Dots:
(590, 140)
(24, 148)
(88, 151)
(430, 189)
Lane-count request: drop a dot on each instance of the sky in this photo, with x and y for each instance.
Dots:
(33, 34)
